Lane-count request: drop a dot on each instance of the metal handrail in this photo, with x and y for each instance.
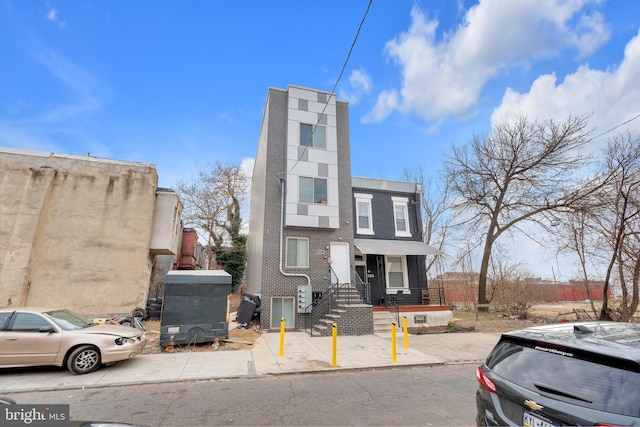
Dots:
(329, 301)
(390, 302)
(364, 289)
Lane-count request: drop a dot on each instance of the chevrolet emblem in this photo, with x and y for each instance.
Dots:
(533, 405)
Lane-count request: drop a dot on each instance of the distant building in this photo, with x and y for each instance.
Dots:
(461, 289)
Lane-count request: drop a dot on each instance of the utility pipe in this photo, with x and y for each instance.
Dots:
(284, 273)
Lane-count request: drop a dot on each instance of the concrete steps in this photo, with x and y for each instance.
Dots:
(350, 314)
(382, 321)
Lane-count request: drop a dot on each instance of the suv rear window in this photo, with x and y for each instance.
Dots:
(596, 383)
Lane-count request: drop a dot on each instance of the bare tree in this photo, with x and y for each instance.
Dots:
(521, 171)
(436, 224)
(618, 223)
(502, 272)
(212, 203)
(575, 236)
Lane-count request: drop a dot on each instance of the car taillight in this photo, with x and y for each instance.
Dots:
(605, 425)
(485, 381)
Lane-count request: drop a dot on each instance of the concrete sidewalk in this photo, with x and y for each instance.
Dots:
(302, 353)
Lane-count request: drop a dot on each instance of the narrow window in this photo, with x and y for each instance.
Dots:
(401, 216)
(297, 252)
(282, 307)
(364, 220)
(401, 221)
(320, 190)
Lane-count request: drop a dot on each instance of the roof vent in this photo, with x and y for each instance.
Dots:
(581, 329)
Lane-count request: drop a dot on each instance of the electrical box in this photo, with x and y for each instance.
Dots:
(304, 299)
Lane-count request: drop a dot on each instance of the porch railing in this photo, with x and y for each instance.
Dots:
(436, 296)
(364, 289)
(320, 307)
(391, 305)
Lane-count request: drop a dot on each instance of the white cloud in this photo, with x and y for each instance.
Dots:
(444, 75)
(52, 15)
(359, 79)
(612, 96)
(387, 102)
(360, 84)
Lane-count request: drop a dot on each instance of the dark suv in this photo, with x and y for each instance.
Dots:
(583, 373)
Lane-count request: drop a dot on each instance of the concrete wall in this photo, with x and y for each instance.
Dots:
(74, 231)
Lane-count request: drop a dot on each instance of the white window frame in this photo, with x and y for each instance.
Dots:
(364, 199)
(405, 275)
(286, 255)
(401, 202)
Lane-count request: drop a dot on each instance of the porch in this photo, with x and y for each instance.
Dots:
(427, 308)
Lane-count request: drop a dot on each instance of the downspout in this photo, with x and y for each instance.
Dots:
(284, 273)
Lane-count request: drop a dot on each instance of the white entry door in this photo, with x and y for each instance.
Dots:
(340, 263)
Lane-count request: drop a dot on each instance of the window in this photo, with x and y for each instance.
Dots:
(313, 138)
(312, 190)
(4, 318)
(28, 322)
(364, 220)
(401, 216)
(297, 252)
(396, 272)
(282, 307)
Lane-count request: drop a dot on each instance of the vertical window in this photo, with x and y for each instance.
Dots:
(282, 307)
(312, 190)
(364, 220)
(311, 136)
(28, 322)
(401, 221)
(297, 252)
(396, 272)
(401, 216)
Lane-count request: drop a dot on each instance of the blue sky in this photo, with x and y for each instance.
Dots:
(183, 84)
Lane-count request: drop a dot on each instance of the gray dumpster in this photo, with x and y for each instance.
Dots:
(195, 307)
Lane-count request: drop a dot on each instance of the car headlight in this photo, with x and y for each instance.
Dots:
(123, 341)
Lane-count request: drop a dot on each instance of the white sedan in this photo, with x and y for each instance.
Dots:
(32, 336)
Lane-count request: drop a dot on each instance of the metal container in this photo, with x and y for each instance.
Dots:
(195, 307)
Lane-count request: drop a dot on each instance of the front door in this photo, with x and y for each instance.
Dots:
(340, 262)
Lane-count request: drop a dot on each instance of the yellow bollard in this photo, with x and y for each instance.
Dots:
(282, 323)
(406, 336)
(393, 342)
(334, 335)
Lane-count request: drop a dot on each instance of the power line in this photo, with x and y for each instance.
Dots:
(350, 50)
(332, 93)
(615, 127)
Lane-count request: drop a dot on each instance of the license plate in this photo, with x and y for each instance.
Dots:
(533, 420)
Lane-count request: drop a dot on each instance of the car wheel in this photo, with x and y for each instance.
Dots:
(84, 359)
